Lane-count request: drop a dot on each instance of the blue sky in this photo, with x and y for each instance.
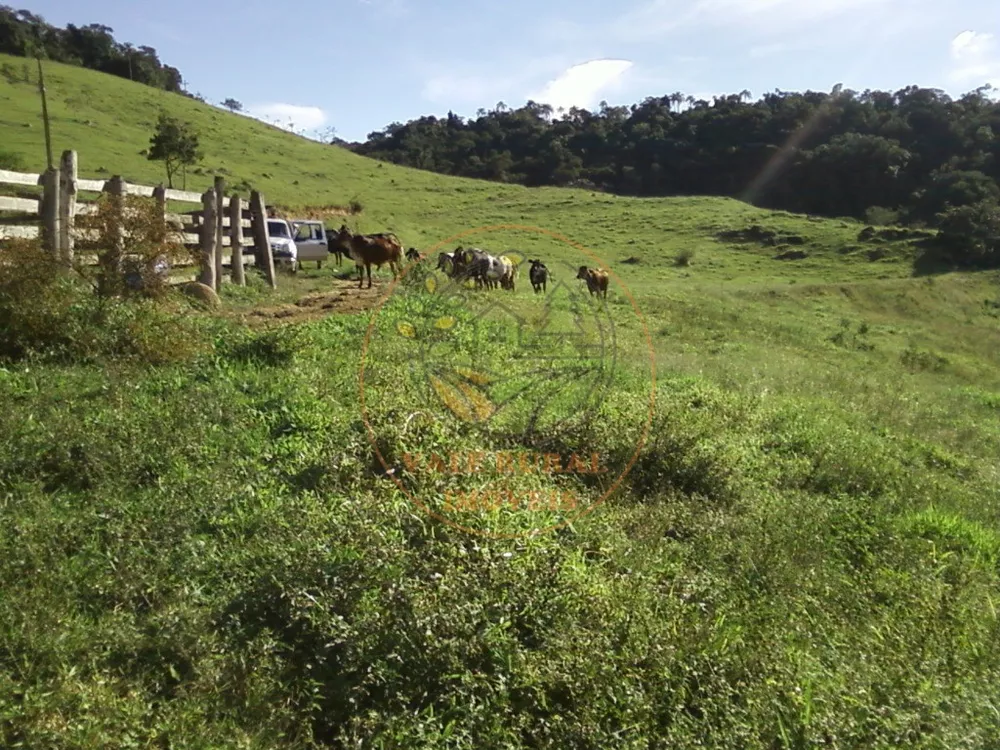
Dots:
(357, 65)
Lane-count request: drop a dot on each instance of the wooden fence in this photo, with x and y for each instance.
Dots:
(218, 224)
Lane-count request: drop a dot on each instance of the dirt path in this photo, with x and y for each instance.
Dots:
(342, 297)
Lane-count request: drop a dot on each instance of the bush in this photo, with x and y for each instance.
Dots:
(50, 312)
(916, 360)
(880, 216)
(684, 257)
(970, 235)
(949, 188)
(36, 300)
(134, 245)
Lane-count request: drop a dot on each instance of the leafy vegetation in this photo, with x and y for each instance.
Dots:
(174, 143)
(972, 233)
(915, 151)
(201, 549)
(93, 46)
(133, 245)
(51, 315)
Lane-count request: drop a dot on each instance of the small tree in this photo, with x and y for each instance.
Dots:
(233, 105)
(174, 143)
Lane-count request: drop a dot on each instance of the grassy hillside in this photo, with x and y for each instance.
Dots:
(806, 551)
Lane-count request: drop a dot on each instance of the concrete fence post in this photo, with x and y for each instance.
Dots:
(50, 211)
(261, 237)
(67, 206)
(209, 219)
(220, 215)
(236, 240)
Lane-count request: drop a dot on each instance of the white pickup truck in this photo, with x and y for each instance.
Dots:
(311, 241)
(296, 241)
(284, 249)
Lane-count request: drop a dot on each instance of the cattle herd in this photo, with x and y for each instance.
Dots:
(463, 264)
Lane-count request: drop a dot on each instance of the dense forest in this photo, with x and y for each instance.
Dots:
(908, 156)
(93, 46)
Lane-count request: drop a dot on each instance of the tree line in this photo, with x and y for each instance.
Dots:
(27, 34)
(909, 156)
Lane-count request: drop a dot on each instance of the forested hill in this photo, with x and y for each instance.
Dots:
(27, 34)
(840, 154)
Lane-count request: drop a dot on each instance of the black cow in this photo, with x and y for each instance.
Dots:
(539, 275)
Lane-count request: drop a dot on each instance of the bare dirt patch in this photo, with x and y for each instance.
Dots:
(313, 213)
(344, 297)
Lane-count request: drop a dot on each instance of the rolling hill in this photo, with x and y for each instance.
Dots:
(805, 551)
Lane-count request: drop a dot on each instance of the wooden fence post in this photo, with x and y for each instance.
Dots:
(208, 229)
(67, 206)
(220, 215)
(261, 237)
(116, 186)
(50, 211)
(160, 196)
(236, 239)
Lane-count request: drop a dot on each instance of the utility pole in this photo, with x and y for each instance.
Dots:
(45, 113)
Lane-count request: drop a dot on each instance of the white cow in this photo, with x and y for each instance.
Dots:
(509, 273)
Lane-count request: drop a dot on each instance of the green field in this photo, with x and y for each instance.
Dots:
(805, 553)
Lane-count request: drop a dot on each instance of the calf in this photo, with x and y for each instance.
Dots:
(597, 280)
(539, 275)
(413, 254)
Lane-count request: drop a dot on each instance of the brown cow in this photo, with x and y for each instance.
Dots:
(372, 249)
(597, 280)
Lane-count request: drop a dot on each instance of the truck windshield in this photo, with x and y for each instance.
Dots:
(277, 229)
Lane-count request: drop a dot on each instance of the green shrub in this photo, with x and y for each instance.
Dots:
(850, 340)
(50, 312)
(131, 240)
(880, 216)
(970, 235)
(917, 360)
(36, 301)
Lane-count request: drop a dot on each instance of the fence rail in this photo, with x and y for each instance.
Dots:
(60, 204)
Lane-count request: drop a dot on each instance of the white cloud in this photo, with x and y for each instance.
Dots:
(976, 59)
(582, 85)
(288, 115)
(971, 44)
